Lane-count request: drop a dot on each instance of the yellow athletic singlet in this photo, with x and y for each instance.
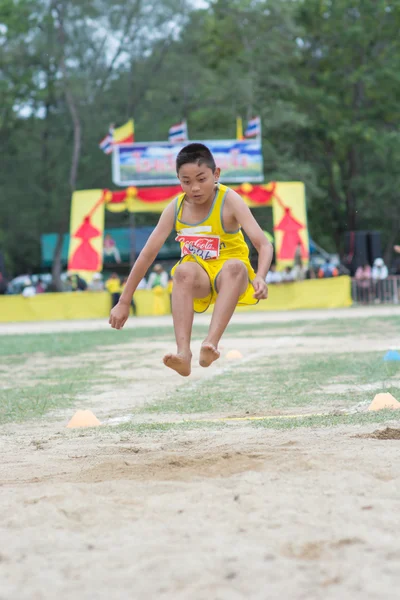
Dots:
(208, 244)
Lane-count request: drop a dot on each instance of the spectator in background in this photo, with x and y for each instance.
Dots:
(159, 277)
(327, 270)
(28, 289)
(380, 272)
(287, 275)
(298, 261)
(363, 277)
(113, 285)
(96, 285)
(3, 284)
(40, 287)
(396, 270)
(311, 273)
(396, 266)
(142, 284)
(77, 284)
(298, 270)
(273, 276)
(110, 248)
(133, 303)
(169, 288)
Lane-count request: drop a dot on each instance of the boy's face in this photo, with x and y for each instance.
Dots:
(198, 182)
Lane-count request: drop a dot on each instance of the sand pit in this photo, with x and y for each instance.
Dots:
(219, 512)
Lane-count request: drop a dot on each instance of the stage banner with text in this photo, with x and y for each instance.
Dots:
(153, 163)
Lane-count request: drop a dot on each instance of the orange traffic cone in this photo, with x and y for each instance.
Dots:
(382, 401)
(83, 418)
(234, 355)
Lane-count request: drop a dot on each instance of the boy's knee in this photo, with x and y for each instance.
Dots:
(234, 268)
(184, 274)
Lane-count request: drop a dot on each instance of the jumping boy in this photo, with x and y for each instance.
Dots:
(214, 265)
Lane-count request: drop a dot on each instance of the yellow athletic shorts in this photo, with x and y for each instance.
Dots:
(213, 268)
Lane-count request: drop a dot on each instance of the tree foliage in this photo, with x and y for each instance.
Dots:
(324, 76)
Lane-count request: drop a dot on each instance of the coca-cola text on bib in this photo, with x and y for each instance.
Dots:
(204, 246)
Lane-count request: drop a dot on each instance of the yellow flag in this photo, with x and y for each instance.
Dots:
(239, 128)
(125, 133)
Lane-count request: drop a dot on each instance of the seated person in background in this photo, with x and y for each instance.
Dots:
(311, 273)
(327, 270)
(299, 272)
(40, 287)
(96, 285)
(76, 283)
(273, 276)
(158, 277)
(29, 289)
(287, 275)
(113, 285)
(110, 248)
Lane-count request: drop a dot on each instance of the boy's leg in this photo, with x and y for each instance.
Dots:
(232, 282)
(190, 281)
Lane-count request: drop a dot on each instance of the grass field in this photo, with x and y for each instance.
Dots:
(263, 477)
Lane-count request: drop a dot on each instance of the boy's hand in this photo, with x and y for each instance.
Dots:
(260, 288)
(119, 315)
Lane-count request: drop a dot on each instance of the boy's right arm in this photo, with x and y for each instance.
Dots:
(120, 313)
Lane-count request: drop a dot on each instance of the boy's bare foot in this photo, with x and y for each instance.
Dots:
(208, 354)
(181, 363)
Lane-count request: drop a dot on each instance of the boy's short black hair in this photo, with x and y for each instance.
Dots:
(195, 153)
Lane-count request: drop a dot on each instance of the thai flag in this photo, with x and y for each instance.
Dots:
(178, 132)
(253, 128)
(106, 143)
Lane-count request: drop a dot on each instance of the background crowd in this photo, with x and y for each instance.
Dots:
(368, 281)
(322, 76)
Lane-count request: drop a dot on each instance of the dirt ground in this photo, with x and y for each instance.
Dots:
(201, 514)
(283, 316)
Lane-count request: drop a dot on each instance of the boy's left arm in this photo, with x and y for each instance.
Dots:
(265, 250)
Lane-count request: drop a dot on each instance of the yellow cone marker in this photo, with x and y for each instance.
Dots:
(234, 355)
(382, 401)
(83, 418)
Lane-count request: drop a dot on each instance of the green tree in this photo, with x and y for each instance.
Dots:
(350, 85)
(59, 93)
(323, 76)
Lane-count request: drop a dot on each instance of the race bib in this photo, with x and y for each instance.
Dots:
(204, 246)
